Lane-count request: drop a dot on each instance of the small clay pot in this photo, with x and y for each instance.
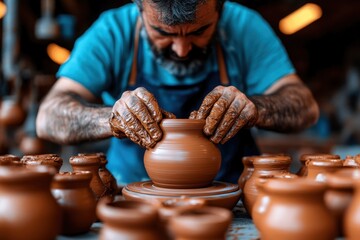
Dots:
(78, 204)
(11, 112)
(319, 168)
(246, 173)
(31, 145)
(51, 160)
(184, 158)
(262, 197)
(10, 160)
(303, 171)
(264, 165)
(201, 223)
(340, 192)
(296, 210)
(29, 211)
(105, 175)
(91, 162)
(129, 220)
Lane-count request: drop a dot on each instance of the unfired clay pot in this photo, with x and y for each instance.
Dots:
(84, 162)
(105, 175)
(28, 209)
(9, 159)
(201, 224)
(263, 198)
(350, 162)
(125, 219)
(340, 193)
(11, 112)
(264, 165)
(296, 211)
(78, 204)
(246, 173)
(318, 168)
(52, 160)
(303, 171)
(351, 219)
(184, 158)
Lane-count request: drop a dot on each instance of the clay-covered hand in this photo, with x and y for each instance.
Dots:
(226, 110)
(137, 115)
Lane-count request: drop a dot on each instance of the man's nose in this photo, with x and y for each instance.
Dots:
(181, 46)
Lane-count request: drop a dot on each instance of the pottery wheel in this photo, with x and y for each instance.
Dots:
(218, 194)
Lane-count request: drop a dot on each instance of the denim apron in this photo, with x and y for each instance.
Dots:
(126, 158)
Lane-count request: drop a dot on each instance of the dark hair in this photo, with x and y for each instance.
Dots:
(174, 12)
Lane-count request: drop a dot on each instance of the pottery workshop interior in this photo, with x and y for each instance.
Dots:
(185, 120)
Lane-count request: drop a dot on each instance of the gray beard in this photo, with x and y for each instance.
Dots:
(176, 68)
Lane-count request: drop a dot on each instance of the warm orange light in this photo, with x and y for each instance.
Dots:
(2, 9)
(300, 18)
(58, 54)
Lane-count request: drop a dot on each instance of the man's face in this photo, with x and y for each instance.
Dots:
(182, 49)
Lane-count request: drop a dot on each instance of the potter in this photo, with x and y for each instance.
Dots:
(216, 61)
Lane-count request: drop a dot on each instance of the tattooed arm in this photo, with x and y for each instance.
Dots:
(288, 106)
(69, 115)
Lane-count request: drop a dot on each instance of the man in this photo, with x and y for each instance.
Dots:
(158, 58)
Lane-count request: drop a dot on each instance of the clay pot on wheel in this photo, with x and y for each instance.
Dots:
(29, 211)
(184, 158)
(76, 199)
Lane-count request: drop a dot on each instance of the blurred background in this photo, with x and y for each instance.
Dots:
(321, 37)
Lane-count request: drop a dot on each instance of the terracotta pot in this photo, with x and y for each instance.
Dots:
(303, 171)
(105, 175)
(318, 168)
(184, 158)
(78, 204)
(31, 145)
(296, 210)
(340, 193)
(263, 198)
(246, 173)
(9, 159)
(128, 220)
(84, 162)
(202, 223)
(171, 207)
(51, 160)
(264, 165)
(11, 112)
(351, 219)
(28, 208)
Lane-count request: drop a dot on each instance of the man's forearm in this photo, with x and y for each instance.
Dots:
(65, 118)
(291, 108)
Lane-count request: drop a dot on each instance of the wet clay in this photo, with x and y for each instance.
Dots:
(9, 159)
(184, 158)
(76, 199)
(296, 210)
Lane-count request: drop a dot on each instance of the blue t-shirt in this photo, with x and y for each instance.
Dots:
(102, 58)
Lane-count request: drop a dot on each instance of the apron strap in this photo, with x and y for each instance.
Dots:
(219, 53)
(132, 78)
(221, 63)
